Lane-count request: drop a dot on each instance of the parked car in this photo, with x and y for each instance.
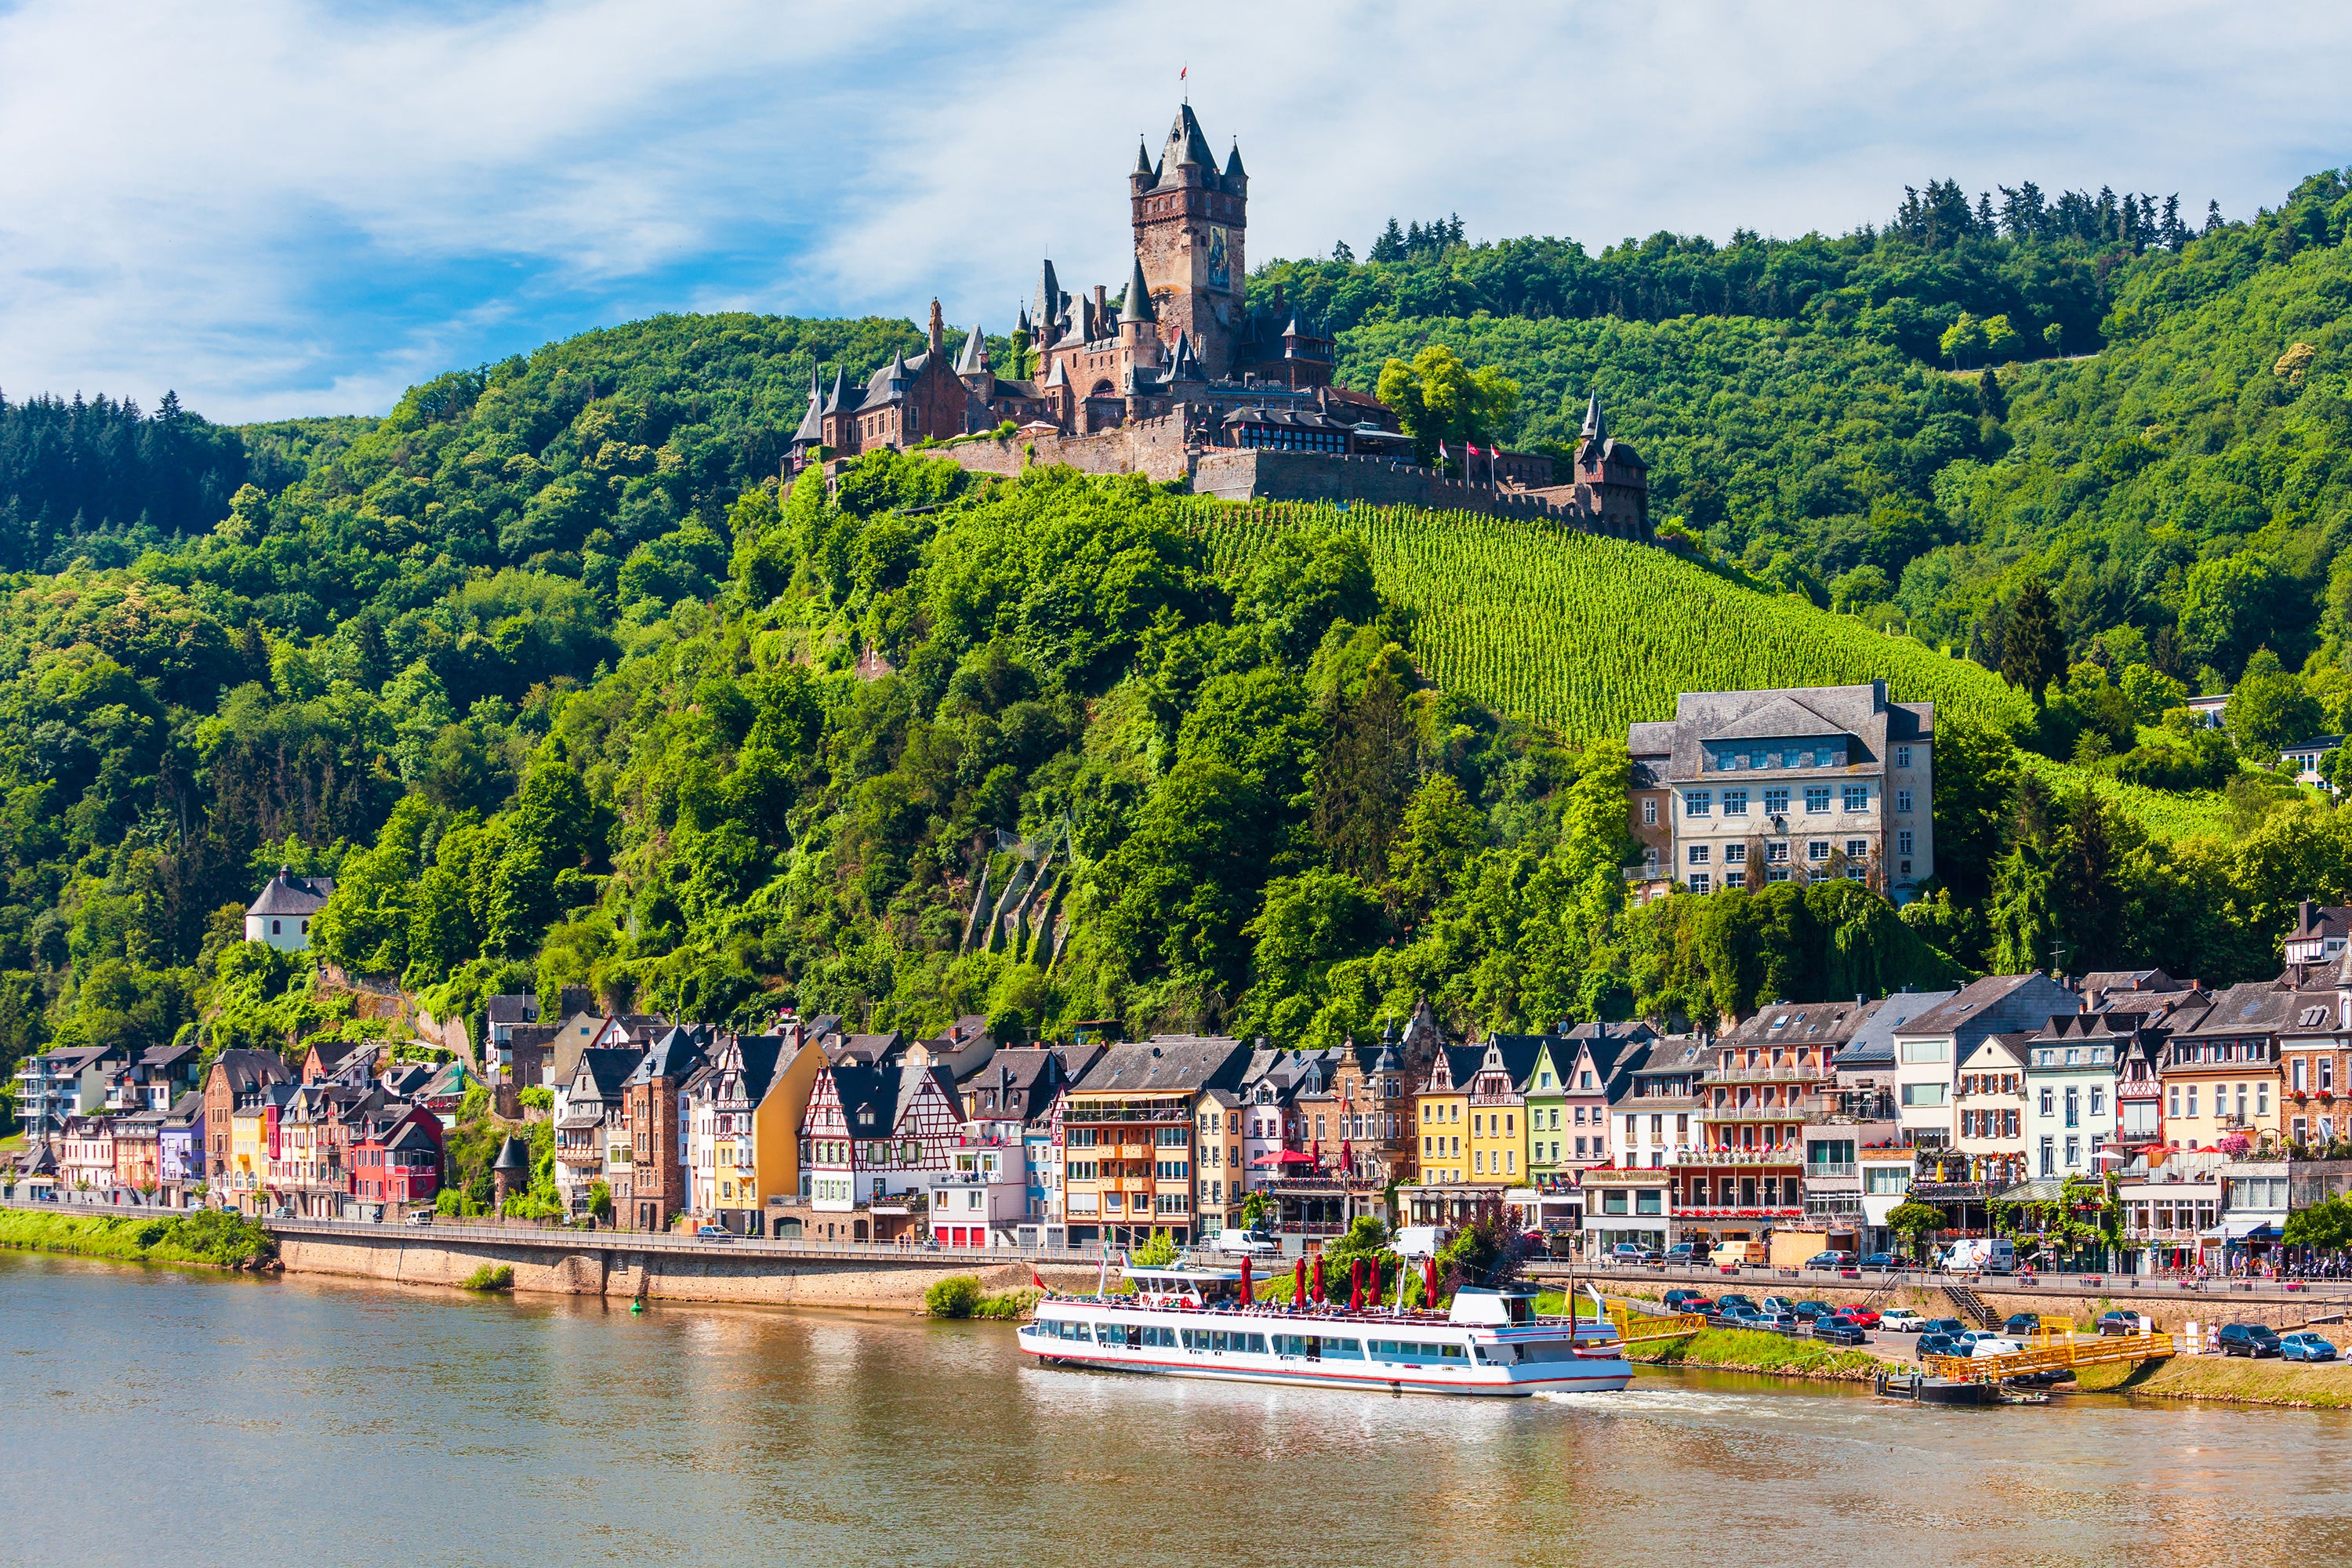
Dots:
(1992, 1346)
(1683, 1253)
(1939, 1344)
(2020, 1325)
(1775, 1322)
(1840, 1331)
(1830, 1260)
(1860, 1317)
(1733, 1299)
(1884, 1260)
(1626, 1253)
(1734, 1316)
(1681, 1300)
(2300, 1346)
(1810, 1310)
(1902, 1321)
(1951, 1326)
(713, 1233)
(2255, 1339)
(1740, 1255)
(421, 1216)
(1776, 1304)
(2118, 1323)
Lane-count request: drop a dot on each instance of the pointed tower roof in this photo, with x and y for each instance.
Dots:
(1061, 376)
(840, 390)
(1138, 306)
(1142, 156)
(1185, 144)
(812, 423)
(1233, 169)
(1596, 428)
(974, 358)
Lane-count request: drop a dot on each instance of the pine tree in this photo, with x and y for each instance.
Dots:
(2036, 651)
(2213, 217)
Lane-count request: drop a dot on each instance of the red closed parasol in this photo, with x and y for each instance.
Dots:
(1245, 1282)
(1429, 1283)
(1318, 1277)
(1355, 1285)
(1298, 1285)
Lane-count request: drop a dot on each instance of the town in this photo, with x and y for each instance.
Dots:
(2183, 1125)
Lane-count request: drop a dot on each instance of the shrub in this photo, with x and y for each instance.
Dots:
(1009, 1306)
(490, 1277)
(957, 1296)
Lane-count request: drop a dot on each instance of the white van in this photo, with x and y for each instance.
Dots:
(1247, 1243)
(1983, 1255)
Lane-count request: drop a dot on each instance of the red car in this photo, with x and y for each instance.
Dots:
(1860, 1317)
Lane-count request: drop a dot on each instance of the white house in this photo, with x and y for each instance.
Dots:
(281, 916)
(1929, 1047)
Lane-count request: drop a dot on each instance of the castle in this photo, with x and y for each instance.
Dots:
(1182, 377)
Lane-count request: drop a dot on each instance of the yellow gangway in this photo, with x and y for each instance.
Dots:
(2052, 1355)
(1646, 1328)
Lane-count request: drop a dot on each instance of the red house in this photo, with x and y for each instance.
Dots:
(396, 1156)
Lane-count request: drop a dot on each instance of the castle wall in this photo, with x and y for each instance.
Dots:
(1152, 447)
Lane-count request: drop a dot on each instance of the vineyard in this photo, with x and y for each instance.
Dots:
(1585, 635)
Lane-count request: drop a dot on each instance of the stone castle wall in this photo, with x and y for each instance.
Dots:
(1157, 450)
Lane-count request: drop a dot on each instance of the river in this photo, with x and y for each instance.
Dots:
(153, 1414)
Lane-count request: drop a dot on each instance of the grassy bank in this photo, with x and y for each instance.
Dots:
(1746, 1350)
(2328, 1387)
(211, 1237)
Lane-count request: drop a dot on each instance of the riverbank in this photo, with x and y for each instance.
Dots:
(1748, 1350)
(2221, 1380)
(208, 1238)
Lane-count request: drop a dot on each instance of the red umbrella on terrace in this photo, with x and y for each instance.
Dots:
(1284, 1159)
(1298, 1285)
(1318, 1277)
(1245, 1282)
(1429, 1283)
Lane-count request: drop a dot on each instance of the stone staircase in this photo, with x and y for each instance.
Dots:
(1966, 1305)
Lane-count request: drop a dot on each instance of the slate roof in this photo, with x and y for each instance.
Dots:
(287, 894)
(2255, 1007)
(1996, 996)
(1863, 712)
(1166, 1064)
(1871, 1045)
(609, 1069)
(514, 1009)
(250, 1070)
(1019, 1082)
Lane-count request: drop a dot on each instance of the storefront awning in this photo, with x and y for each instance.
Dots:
(2235, 1229)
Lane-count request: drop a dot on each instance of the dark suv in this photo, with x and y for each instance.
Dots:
(2256, 1340)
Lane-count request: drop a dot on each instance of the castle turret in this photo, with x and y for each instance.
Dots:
(1189, 225)
(1613, 482)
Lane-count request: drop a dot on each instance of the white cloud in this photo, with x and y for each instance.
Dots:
(281, 207)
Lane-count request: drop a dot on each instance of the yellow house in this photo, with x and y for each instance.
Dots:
(778, 1116)
(248, 1147)
(1499, 1144)
(1442, 1115)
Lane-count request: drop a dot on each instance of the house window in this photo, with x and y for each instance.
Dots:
(1734, 854)
(1902, 842)
(1902, 800)
(1857, 797)
(1700, 854)
(1735, 803)
(1735, 879)
(1649, 814)
(1698, 802)
(1817, 849)
(1776, 854)
(1857, 849)
(1817, 801)
(1903, 759)
(1776, 803)
(276, 927)
(2049, 1156)
(1700, 882)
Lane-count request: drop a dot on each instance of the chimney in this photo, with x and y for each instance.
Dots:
(938, 331)
(2303, 922)
(1102, 306)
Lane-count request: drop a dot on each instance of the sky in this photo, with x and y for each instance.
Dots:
(279, 208)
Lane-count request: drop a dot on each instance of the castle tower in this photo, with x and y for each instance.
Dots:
(1613, 482)
(1189, 224)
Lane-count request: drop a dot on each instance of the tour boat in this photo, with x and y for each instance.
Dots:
(1200, 1322)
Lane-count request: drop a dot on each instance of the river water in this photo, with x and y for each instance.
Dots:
(160, 1414)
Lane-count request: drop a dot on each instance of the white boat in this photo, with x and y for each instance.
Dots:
(1192, 1322)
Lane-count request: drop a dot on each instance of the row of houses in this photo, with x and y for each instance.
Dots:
(347, 1129)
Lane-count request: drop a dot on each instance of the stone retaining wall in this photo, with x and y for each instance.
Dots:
(599, 1265)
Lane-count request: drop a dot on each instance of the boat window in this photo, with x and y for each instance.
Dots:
(1347, 1350)
(1413, 1350)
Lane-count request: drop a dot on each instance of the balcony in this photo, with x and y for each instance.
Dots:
(1784, 1073)
(1790, 1158)
(1737, 1211)
(1806, 1108)
(1822, 1169)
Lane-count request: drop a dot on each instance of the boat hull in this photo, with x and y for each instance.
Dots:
(1585, 1375)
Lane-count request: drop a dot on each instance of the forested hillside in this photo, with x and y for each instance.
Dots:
(546, 667)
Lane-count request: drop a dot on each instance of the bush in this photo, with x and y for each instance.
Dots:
(490, 1277)
(1009, 1306)
(957, 1296)
(600, 1202)
(1157, 1253)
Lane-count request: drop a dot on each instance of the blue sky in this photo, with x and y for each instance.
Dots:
(280, 208)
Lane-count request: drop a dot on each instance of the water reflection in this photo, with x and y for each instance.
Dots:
(356, 1425)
